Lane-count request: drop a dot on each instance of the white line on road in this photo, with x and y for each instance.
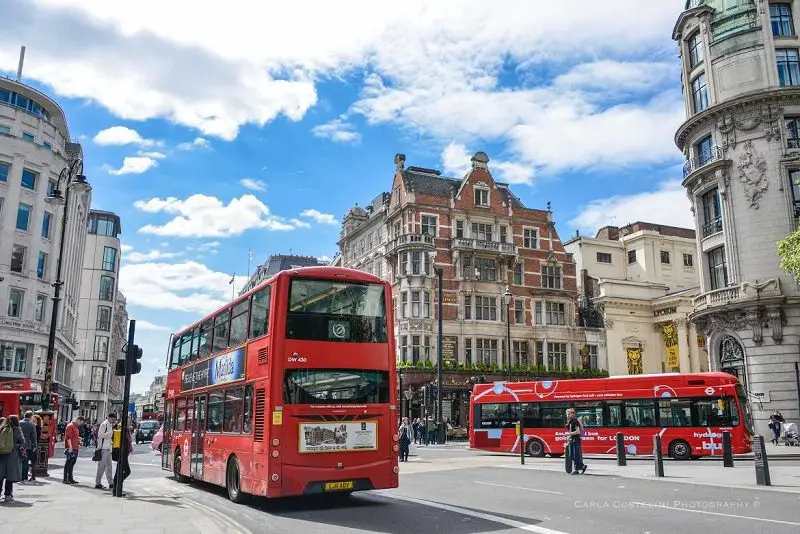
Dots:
(478, 515)
(517, 487)
(650, 505)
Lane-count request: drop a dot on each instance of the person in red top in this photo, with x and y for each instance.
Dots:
(72, 445)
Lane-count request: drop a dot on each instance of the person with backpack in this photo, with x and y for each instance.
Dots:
(575, 430)
(406, 434)
(12, 449)
(102, 455)
(28, 428)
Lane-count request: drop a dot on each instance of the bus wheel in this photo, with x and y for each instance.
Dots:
(680, 450)
(535, 448)
(176, 468)
(232, 482)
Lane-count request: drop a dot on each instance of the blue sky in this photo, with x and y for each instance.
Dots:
(211, 133)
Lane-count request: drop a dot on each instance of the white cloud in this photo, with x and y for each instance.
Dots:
(456, 160)
(318, 216)
(299, 224)
(324, 259)
(337, 130)
(253, 184)
(126, 248)
(189, 286)
(133, 165)
(619, 75)
(147, 325)
(666, 205)
(140, 257)
(199, 142)
(122, 135)
(207, 216)
(154, 155)
(446, 82)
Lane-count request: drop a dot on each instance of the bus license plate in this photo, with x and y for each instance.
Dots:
(338, 486)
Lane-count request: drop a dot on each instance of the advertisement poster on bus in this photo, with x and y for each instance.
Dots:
(338, 436)
(221, 369)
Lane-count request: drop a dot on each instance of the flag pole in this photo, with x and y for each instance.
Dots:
(249, 259)
(233, 286)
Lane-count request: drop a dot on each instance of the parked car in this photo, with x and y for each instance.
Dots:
(158, 439)
(146, 430)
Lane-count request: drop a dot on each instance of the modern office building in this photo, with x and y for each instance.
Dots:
(741, 83)
(643, 278)
(35, 146)
(98, 329)
(496, 256)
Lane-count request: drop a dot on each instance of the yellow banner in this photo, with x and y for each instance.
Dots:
(673, 360)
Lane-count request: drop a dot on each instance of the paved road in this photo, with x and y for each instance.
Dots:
(481, 498)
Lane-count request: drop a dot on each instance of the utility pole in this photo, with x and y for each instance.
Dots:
(439, 377)
(132, 366)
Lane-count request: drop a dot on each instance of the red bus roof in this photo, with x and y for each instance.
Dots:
(324, 272)
(626, 386)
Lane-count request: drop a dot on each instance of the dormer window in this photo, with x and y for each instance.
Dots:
(481, 197)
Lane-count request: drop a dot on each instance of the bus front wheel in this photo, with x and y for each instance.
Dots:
(233, 482)
(535, 448)
(176, 467)
(680, 450)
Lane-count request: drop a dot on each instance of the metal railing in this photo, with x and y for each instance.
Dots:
(717, 297)
(424, 240)
(704, 158)
(712, 227)
(480, 245)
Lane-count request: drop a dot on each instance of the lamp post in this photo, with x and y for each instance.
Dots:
(508, 297)
(439, 363)
(71, 177)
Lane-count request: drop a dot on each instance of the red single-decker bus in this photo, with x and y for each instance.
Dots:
(689, 411)
(288, 390)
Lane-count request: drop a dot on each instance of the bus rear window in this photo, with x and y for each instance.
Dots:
(328, 310)
(335, 386)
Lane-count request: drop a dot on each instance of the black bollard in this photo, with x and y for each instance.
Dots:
(762, 465)
(621, 460)
(658, 456)
(521, 432)
(727, 451)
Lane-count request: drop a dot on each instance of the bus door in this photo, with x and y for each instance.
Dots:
(166, 436)
(198, 433)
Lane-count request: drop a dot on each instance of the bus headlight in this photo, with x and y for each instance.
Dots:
(275, 454)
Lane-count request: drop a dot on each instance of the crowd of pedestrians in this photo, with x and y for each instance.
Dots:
(19, 443)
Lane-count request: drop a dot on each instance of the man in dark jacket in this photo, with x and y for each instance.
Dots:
(31, 445)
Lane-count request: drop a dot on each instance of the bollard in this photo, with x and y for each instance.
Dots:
(521, 434)
(621, 450)
(658, 456)
(761, 463)
(727, 451)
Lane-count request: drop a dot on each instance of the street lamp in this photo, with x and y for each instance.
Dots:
(71, 177)
(508, 296)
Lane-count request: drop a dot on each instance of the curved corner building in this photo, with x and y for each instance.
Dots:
(740, 64)
(34, 147)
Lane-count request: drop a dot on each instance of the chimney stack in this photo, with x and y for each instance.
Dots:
(21, 63)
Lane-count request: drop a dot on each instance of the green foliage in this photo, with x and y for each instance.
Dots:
(523, 372)
(789, 253)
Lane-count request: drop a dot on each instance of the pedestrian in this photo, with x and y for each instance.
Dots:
(122, 464)
(430, 432)
(12, 447)
(776, 425)
(575, 431)
(28, 428)
(102, 455)
(72, 444)
(406, 433)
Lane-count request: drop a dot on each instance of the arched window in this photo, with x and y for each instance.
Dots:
(731, 358)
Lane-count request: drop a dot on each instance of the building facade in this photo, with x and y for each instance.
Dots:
(35, 146)
(643, 277)
(98, 329)
(275, 264)
(741, 138)
(488, 247)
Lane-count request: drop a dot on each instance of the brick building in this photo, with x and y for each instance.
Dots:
(489, 247)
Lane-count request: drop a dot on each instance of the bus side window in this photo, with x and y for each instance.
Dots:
(640, 413)
(180, 415)
(259, 313)
(239, 322)
(232, 414)
(221, 331)
(248, 409)
(590, 413)
(215, 411)
(204, 343)
(716, 412)
(186, 347)
(614, 414)
(531, 415)
(675, 412)
(554, 414)
(176, 350)
(195, 344)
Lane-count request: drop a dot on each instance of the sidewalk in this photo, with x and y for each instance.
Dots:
(49, 507)
(742, 475)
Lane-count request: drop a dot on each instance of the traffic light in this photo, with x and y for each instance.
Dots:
(119, 370)
(134, 355)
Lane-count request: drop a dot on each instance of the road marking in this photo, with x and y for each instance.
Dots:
(478, 515)
(716, 513)
(518, 487)
(224, 519)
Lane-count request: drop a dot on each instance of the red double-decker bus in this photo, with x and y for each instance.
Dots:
(19, 396)
(288, 390)
(688, 411)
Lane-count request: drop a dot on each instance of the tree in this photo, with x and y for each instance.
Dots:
(789, 253)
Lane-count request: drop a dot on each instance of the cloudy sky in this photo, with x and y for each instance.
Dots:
(211, 129)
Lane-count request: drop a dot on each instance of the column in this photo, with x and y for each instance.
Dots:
(683, 346)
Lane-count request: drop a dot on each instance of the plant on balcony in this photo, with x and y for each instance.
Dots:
(517, 371)
(789, 253)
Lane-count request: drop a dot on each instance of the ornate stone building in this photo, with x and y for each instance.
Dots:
(741, 81)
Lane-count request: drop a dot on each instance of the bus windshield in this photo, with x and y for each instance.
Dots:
(335, 386)
(744, 402)
(328, 310)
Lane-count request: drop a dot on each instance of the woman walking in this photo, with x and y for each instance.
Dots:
(11, 462)
(406, 433)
